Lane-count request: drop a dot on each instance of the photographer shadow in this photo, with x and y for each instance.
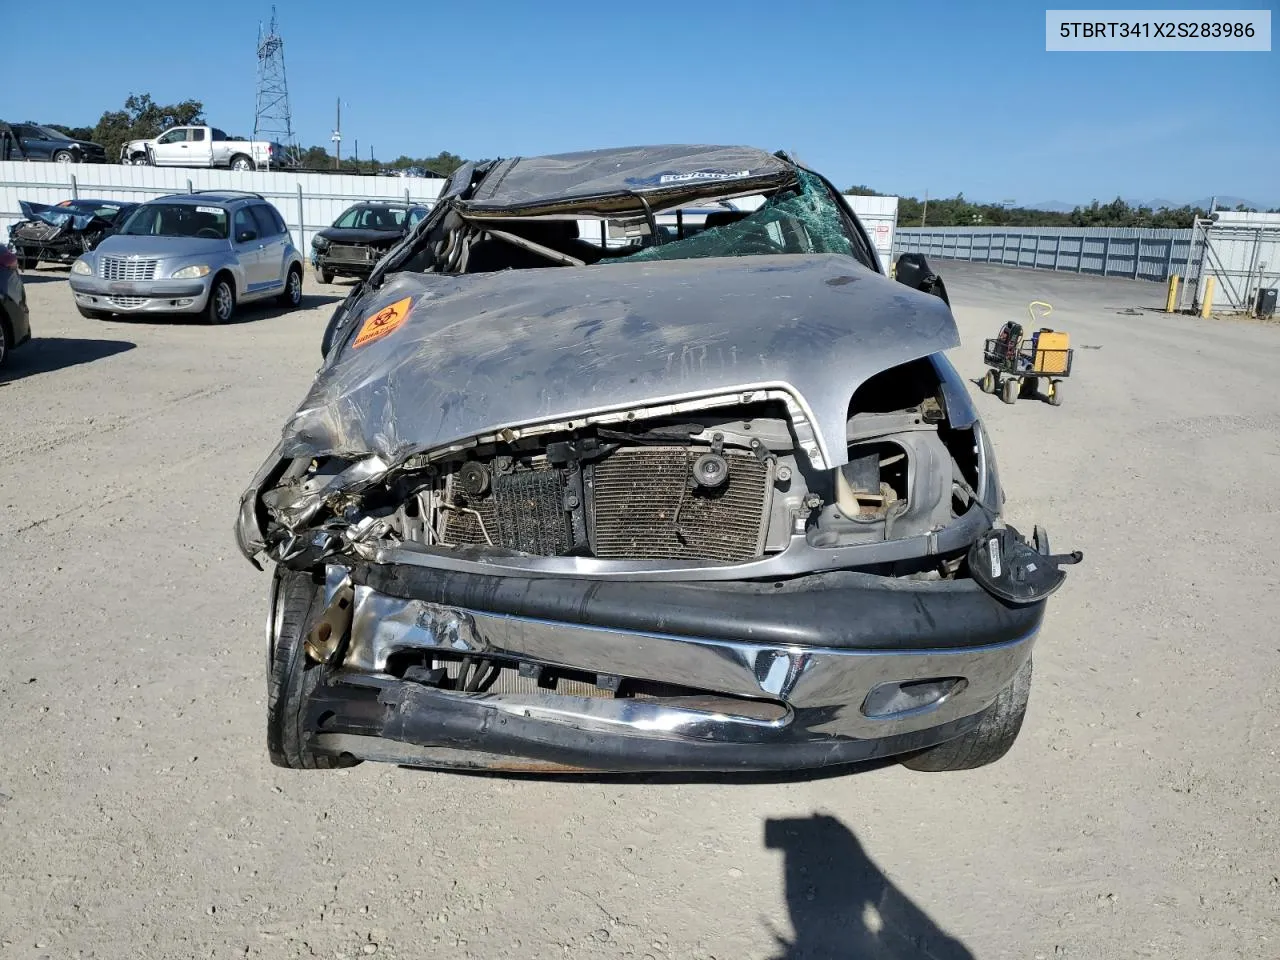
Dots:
(842, 907)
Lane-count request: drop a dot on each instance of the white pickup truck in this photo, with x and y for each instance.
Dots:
(200, 146)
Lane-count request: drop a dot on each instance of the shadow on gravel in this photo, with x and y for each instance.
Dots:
(46, 354)
(640, 780)
(49, 276)
(252, 312)
(842, 907)
(266, 311)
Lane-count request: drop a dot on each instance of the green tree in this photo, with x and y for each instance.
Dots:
(76, 133)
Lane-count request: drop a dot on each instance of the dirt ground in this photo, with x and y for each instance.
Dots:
(140, 818)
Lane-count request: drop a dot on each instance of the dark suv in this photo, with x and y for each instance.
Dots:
(34, 142)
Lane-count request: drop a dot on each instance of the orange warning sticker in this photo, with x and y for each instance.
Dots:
(383, 322)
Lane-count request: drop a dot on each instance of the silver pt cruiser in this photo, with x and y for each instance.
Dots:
(200, 253)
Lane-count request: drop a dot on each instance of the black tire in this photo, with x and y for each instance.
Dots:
(64, 156)
(295, 603)
(990, 740)
(1055, 398)
(92, 314)
(6, 342)
(241, 162)
(292, 296)
(326, 276)
(218, 309)
(990, 382)
(27, 261)
(1010, 389)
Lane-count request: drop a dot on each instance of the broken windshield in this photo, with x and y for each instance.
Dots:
(803, 220)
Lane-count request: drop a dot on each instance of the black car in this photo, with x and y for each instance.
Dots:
(30, 141)
(358, 239)
(62, 233)
(15, 326)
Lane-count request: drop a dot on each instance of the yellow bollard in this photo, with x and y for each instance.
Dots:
(1171, 304)
(1206, 306)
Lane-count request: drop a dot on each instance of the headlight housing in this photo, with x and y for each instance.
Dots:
(81, 269)
(193, 272)
(319, 243)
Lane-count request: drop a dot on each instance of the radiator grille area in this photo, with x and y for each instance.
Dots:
(643, 509)
(118, 268)
(129, 303)
(640, 506)
(349, 254)
(523, 511)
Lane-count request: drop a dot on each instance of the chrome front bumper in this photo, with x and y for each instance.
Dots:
(763, 705)
(150, 296)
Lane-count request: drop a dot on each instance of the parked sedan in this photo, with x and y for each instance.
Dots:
(191, 253)
(360, 236)
(62, 233)
(715, 501)
(15, 321)
(36, 142)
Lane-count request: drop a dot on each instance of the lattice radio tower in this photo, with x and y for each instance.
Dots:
(271, 117)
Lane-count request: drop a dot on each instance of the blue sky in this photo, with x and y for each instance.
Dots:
(946, 97)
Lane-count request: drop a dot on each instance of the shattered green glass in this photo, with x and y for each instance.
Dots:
(800, 220)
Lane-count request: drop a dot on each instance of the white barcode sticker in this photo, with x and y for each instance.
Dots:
(994, 547)
(214, 210)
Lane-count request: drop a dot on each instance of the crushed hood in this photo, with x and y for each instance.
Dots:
(476, 353)
(60, 216)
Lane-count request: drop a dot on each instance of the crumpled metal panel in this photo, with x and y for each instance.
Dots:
(58, 216)
(479, 353)
(533, 182)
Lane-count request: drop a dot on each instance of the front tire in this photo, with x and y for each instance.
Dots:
(241, 162)
(221, 305)
(292, 296)
(326, 276)
(989, 740)
(64, 156)
(295, 603)
(990, 382)
(1010, 390)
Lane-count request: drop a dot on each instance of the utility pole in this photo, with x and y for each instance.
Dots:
(355, 154)
(337, 139)
(925, 212)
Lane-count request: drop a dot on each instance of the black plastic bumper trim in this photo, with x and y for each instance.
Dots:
(841, 610)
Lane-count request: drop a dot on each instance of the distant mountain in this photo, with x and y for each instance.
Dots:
(1223, 203)
(1052, 206)
(1230, 203)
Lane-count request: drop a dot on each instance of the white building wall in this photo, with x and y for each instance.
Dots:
(879, 216)
(308, 201)
(1242, 253)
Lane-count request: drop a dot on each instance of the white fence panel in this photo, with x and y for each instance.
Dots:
(308, 201)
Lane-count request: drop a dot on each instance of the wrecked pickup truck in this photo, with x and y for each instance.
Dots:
(570, 493)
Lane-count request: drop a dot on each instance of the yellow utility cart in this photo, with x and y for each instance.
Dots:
(1018, 365)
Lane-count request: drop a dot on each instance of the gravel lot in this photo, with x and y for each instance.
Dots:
(1136, 817)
